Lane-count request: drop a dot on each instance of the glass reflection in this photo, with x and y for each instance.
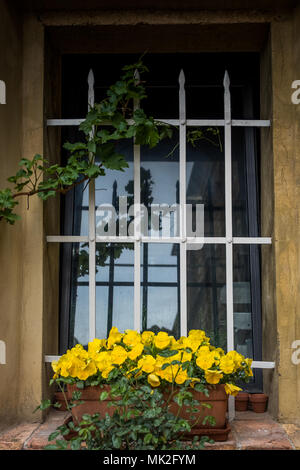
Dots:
(205, 176)
(79, 294)
(160, 185)
(206, 286)
(114, 287)
(113, 190)
(160, 288)
(242, 302)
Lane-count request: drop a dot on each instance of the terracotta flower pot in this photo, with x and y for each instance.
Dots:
(217, 399)
(241, 401)
(92, 403)
(258, 402)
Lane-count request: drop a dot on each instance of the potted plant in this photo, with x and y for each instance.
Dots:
(189, 377)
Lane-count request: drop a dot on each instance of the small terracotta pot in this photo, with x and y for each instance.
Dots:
(241, 401)
(258, 402)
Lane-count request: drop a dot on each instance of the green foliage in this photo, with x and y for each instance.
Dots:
(115, 118)
(97, 153)
(140, 420)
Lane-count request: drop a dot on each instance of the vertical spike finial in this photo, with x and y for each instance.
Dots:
(181, 78)
(91, 92)
(226, 80)
(227, 101)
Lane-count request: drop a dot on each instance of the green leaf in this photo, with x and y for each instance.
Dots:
(53, 435)
(117, 442)
(148, 438)
(103, 396)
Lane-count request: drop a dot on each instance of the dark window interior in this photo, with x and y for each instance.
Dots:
(205, 181)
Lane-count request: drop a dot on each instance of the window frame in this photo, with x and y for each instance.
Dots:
(253, 240)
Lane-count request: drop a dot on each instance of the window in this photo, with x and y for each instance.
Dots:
(152, 279)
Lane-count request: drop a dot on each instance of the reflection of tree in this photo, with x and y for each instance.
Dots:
(113, 251)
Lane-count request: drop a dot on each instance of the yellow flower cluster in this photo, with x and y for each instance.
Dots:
(156, 358)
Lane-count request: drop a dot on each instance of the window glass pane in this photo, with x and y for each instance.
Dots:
(206, 292)
(160, 288)
(160, 186)
(240, 184)
(114, 189)
(242, 300)
(114, 287)
(205, 177)
(79, 294)
(75, 203)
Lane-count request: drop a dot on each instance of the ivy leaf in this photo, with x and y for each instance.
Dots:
(117, 442)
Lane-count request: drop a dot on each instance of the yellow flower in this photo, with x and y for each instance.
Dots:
(236, 358)
(55, 365)
(213, 376)
(136, 351)
(106, 372)
(147, 337)
(168, 373)
(226, 365)
(118, 355)
(95, 346)
(131, 338)
(203, 349)
(147, 364)
(181, 376)
(153, 380)
(205, 360)
(162, 340)
(86, 371)
(103, 360)
(232, 389)
(114, 337)
(249, 371)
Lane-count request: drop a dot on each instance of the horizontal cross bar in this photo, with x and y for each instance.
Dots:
(176, 122)
(189, 240)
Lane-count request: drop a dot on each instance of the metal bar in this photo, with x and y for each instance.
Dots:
(197, 240)
(67, 239)
(262, 365)
(137, 234)
(182, 201)
(228, 228)
(174, 122)
(251, 122)
(92, 231)
(252, 240)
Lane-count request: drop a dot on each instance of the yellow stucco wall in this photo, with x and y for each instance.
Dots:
(22, 245)
(10, 238)
(285, 55)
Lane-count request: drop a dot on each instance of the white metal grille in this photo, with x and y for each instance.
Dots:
(182, 239)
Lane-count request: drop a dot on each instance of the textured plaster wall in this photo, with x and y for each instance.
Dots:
(31, 318)
(10, 238)
(283, 275)
(22, 246)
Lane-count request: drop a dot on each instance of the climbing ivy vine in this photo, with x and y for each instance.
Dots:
(91, 157)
